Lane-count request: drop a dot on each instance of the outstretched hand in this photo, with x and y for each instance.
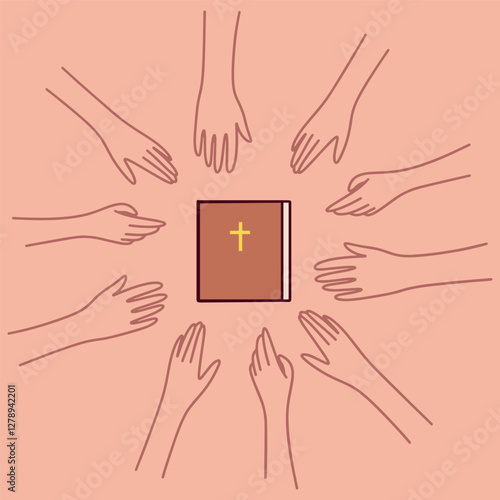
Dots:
(330, 124)
(219, 125)
(128, 310)
(368, 194)
(121, 224)
(187, 380)
(272, 376)
(366, 272)
(340, 358)
(220, 122)
(185, 383)
(332, 121)
(129, 148)
(271, 373)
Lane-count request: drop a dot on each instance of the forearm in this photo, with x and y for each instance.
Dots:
(443, 168)
(278, 444)
(219, 47)
(83, 102)
(162, 436)
(399, 411)
(358, 71)
(45, 339)
(449, 266)
(45, 230)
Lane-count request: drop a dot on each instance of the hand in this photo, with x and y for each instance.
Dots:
(219, 124)
(342, 360)
(370, 272)
(368, 194)
(122, 312)
(121, 224)
(219, 120)
(366, 273)
(184, 385)
(271, 374)
(272, 377)
(329, 124)
(340, 357)
(186, 381)
(128, 147)
(129, 309)
(118, 223)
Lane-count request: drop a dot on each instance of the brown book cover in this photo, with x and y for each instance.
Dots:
(243, 251)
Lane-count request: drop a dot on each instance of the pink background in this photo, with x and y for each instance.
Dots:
(82, 406)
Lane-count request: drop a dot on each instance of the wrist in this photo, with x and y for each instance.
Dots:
(171, 411)
(412, 270)
(406, 179)
(276, 412)
(178, 403)
(217, 82)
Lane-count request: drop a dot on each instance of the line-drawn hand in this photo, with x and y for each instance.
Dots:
(126, 145)
(330, 123)
(369, 272)
(185, 382)
(366, 272)
(220, 120)
(271, 373)
(340, 359)
(340, 356)
(371, 192)
(367, 195)
(119, 223)
(186, 379)
(272, 377)
(132, 309)
(219, 124)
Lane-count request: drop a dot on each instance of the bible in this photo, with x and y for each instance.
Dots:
(243, 251)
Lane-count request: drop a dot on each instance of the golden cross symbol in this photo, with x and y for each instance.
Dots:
(240, 234)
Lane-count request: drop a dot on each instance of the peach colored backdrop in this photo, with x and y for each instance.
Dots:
(82, 407)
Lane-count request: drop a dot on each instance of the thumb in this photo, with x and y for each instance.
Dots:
(211, 371)
(286, 366)
(198, 139)
(245, 131)
(117, 287)
(314, 362)
(357, 182)
(339, 148)
(125, 209)
(127, 172)
(355, 249)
